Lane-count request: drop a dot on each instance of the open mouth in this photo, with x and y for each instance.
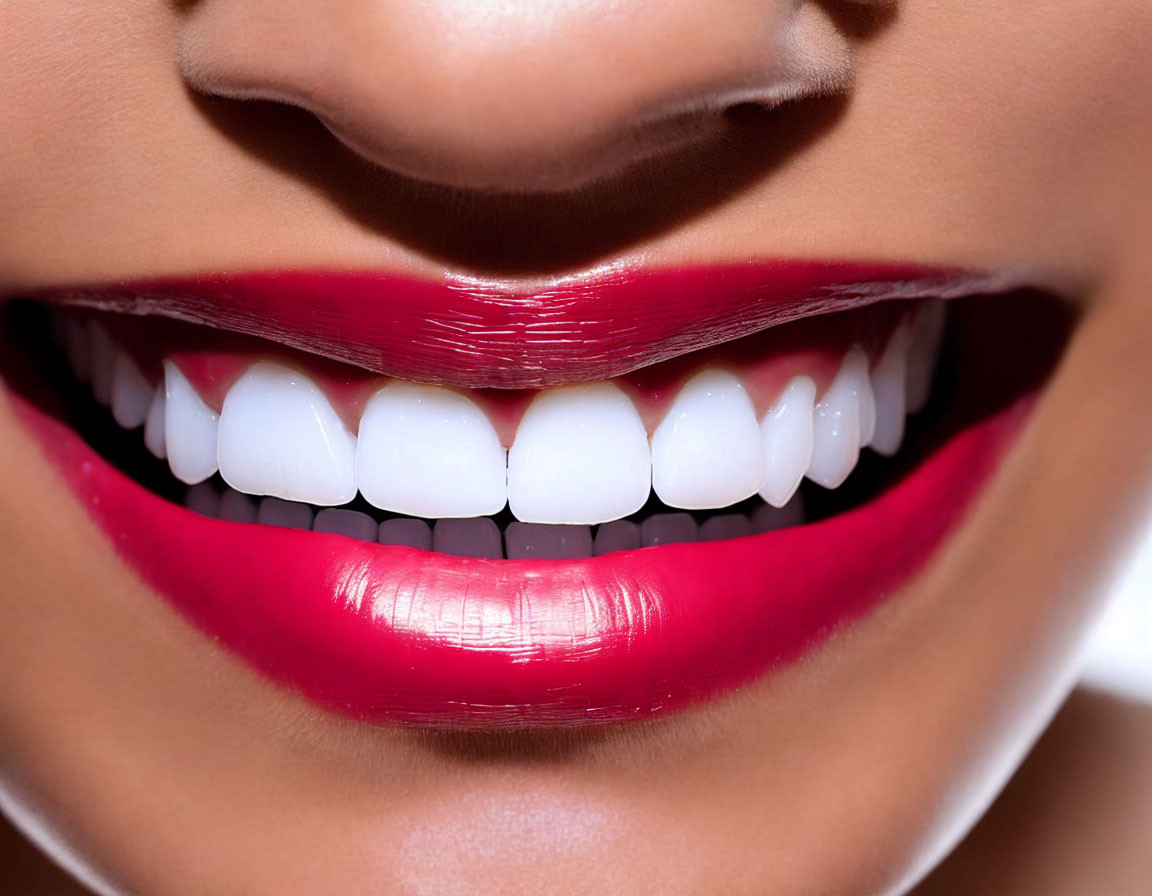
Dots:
(548, 513)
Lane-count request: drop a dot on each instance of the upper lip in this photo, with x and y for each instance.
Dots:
(474, 334)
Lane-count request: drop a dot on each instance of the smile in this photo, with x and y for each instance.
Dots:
(445, 504)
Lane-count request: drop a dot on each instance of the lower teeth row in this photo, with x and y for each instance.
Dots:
(482, 537)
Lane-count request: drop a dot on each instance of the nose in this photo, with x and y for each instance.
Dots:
(514, 95)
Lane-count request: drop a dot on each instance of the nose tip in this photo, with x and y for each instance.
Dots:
(514, 95)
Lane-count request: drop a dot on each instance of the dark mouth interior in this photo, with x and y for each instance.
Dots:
(996, 349)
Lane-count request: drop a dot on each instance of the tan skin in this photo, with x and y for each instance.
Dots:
(1071, 822)
(985, 134)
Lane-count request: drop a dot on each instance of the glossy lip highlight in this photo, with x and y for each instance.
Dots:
(390, 634)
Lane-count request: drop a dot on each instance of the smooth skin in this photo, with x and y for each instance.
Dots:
(1004, 136)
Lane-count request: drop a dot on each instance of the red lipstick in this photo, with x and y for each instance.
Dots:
(393, 634)
(464, 333)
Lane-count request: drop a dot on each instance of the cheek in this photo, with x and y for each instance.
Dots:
(1039, 107)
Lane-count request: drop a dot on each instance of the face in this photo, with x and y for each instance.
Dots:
(417, 260)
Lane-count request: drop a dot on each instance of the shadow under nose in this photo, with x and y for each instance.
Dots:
(526, 233)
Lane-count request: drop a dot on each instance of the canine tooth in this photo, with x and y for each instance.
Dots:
(724, 526)
(406, 533)
(352, 523)
(468, 538)
(104, 353)
(707, 451)
(668, 528)
(279, 436)
(524, 541)
(889, 378)
(927, 334)
(190, 429)
(836, 424)
(430, 452)
(236, 507)
(286, 514)
(787, 435)
(767, 518)
(154, 424)
(79, 342)
(131, 393)
(580, 456)
(618, 535)
(202, 499)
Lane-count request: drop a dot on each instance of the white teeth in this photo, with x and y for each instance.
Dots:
(707, 452)
(889, 378)
(787, 434)
(103, 362)
(279, 436)
(154, 424)
(430, 452)
(836, 423)
(190, 428)
(580, 456)
(131, 393)
(927, 334)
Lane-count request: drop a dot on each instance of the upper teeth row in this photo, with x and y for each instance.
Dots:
(581, 454)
